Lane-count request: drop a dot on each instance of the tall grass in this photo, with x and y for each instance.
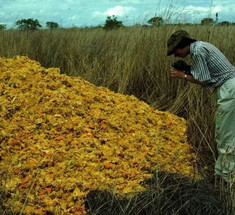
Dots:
(131, 61)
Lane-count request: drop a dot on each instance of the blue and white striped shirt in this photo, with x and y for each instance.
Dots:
(210, 65)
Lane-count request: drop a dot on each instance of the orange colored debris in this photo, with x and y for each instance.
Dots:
(62, 136)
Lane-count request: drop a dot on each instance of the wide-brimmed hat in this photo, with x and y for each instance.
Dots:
(174, 40)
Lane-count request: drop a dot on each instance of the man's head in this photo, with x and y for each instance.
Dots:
(179, 43)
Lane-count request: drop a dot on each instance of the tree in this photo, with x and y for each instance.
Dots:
(224, 23)
(112, 23)
(52, 25)
(28, 24)
(207, 21)
(3, 26)
(155, 21)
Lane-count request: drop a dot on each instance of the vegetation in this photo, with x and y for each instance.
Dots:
(2, 26)
(166, 194)
(224, 23)
(133, 60)
(112, 23)
(207, 21)
(156, 21)
(52, 25)
(28, 24)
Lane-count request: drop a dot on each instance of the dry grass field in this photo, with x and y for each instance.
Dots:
(133, 61)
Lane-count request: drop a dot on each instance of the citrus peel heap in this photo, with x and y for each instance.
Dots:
(62, 137)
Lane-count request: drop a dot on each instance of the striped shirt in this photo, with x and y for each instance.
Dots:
(210, 65)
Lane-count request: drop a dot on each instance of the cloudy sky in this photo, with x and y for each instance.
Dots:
(69, 13)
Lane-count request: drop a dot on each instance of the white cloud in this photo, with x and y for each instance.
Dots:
(226, 7)
(72, 18)
(217, 9)
(116, 11)
(197, 9)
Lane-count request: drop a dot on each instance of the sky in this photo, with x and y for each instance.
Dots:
(87, 13)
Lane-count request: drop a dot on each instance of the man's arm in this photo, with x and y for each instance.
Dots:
(180, 74)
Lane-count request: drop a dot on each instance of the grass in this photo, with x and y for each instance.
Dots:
(165, 194)
(133, 61)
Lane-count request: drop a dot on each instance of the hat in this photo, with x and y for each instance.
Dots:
(174, 40)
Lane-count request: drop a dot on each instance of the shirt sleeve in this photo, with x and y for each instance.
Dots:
(199, 68)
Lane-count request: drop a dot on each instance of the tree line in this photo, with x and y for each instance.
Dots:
(31, 24)
(111, 23)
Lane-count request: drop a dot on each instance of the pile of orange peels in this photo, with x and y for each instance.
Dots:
(61, 137)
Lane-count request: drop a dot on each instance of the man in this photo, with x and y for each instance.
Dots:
(212, 70)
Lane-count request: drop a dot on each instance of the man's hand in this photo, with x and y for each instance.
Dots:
(180, 65)
(181, 74)
(177, 73)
